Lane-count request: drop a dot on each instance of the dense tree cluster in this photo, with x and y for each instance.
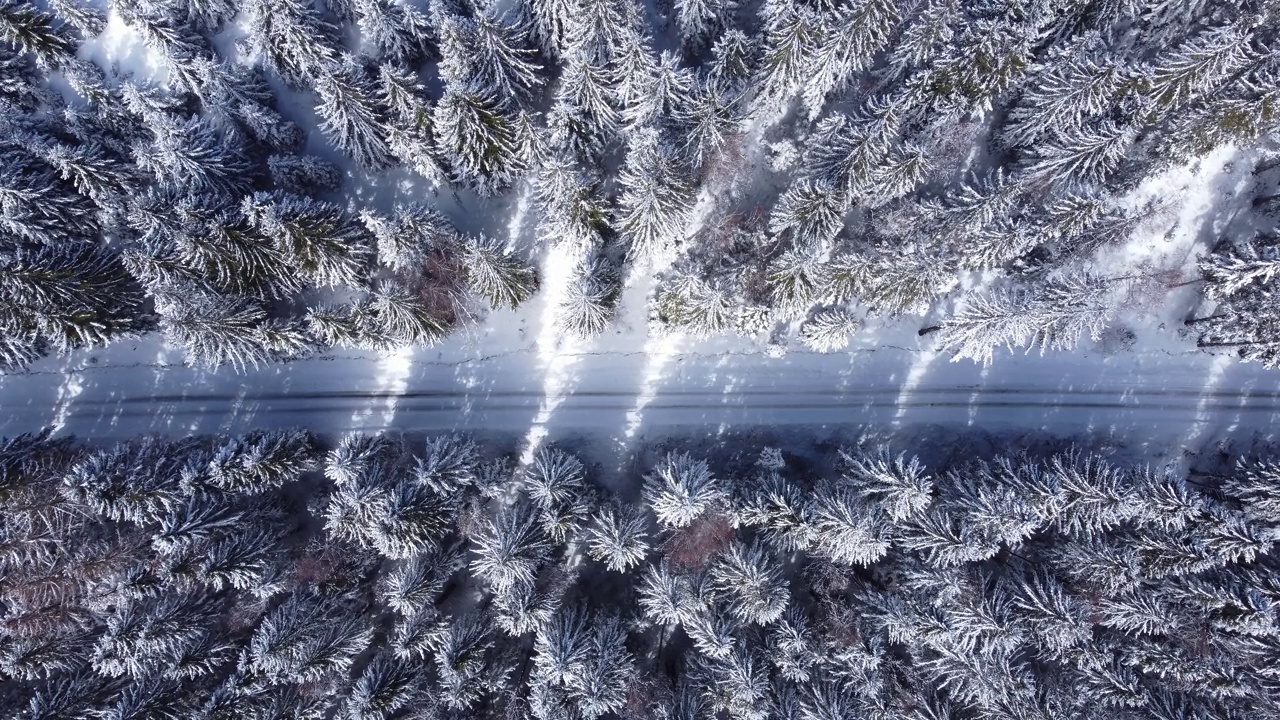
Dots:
(263, 576)
(915, 144)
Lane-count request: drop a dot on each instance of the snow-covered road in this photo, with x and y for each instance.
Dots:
(1156, 400)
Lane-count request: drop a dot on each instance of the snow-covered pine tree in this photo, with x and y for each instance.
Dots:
(55, 298)
(394, 32)
(702, 20)
(572, 209)
(1065, 97)
(213, 331)
(303, 174)
(844, 528)
(590, 297)
(387, 685)
(663, 98)
(1192, 69)
(829, 330)
(851, 39)
(794, 33)
(34, 31)
(320, 241)
(401, 317)
(494, 273)
(656, 200)
(261, 461)
(679, 489)
(696, 306)
(479, 141)
(1053, 316)
(190, 156)
(291, 39)
(509, 548)
(617, 537)
(351, 115)
(810, 214)
(753, 582)
(1085, 156)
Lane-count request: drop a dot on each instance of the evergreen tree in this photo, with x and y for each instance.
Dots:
(291, 39)
(1086, 156)
(701, 20)
(679, 489)
(317, 238)
(495, 275)
(617, 538)
(33, 31)
(509, 549)
(753, 582)
(655, 203)
(794, 34)
(351, 116)
(395, 32)
(1191, 69)
(829, 331)
(590, 298)
(480, 141)
(213, 332)
(1064, 99)
(58, 298)
(851, 39)
(1053, 317)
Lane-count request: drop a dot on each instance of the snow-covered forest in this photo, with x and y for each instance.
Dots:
(262, 180)
(271, 575)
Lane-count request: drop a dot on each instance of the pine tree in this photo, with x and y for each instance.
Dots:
(57, 298)
(387, 685)
(495, 274)
(320, 241)
(664, 96)
(572, 209)
(851, 40)
(351, 116)
(1089, 155)
(664, 595)
(655, 203)
(212, 332)
(522, 609)
(812, 213)
(480, 141)
(403, 318)
(1180, 74)
(1053, 317)
(697, 306)
(1064, 98)
(900, 486)
(702, 20)
(844, 529)
(509, 548)
(753, 582)
(794, 34)
(590, 297)
(303, 174)
(829, 330)
(617, 538)
(679, 489)
(33, 31)
(291, 39)
(415, 584)
(394, 32)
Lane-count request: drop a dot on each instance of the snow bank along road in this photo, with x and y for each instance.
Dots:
(1156, 399)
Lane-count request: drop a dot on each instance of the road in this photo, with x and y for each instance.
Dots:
(1156, 400)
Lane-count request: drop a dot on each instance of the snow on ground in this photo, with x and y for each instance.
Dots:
(1153, 402)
